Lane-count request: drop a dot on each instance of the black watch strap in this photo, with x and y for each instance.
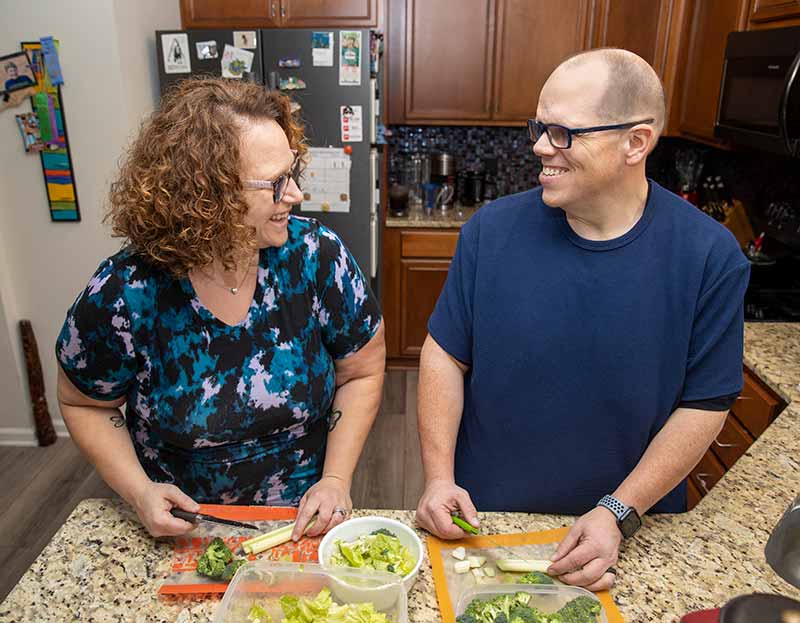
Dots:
(628, 520)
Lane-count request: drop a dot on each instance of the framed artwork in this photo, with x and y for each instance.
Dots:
(56, 159)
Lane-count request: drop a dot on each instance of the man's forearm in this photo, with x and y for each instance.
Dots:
(672, 454)
(102, 436)
(354, 409)
(440, 401)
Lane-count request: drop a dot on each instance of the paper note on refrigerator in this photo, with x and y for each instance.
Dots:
(352, 124)
(326, 181)
(322, 49)
(175, 48)
(349, 57)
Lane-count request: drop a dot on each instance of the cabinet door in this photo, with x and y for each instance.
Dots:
(708, 472)
(641, 27)
(230, 13)
(770, 10)
(711, 21)
(421, 282)
(532, 39)
(322, 13)
(448, 59)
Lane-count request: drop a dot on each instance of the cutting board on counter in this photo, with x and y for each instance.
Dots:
(183, 578)
(539, 545)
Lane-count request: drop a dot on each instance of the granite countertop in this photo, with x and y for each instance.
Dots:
(102, 566)
(453, 218)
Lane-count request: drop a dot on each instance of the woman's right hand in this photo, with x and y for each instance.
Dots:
(153, 504)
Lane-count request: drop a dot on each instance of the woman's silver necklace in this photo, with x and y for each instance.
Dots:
(233, 290)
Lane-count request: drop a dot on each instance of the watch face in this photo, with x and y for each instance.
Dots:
(629, 523)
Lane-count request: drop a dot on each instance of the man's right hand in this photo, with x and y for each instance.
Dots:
(153, 503)
(441, 499)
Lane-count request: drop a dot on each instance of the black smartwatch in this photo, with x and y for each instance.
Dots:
(628, 520)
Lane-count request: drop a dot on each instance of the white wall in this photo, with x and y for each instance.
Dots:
(107, 54)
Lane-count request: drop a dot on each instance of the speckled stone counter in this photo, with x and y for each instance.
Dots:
(101, 565)
(453, 218)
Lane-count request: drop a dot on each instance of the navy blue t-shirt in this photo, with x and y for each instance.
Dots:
(579, 350)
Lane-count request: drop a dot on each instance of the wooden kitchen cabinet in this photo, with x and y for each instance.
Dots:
(279, 13)
(750, 416)
(416, 262)
(774, 10)
(464, 62)
(521, 69)
(708, 23)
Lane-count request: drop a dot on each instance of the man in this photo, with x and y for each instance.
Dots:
(588, 341)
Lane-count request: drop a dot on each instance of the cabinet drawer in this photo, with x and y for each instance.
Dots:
(707, 473)
(732, 442)
(756, 407)
(693, 495)
(428, 243)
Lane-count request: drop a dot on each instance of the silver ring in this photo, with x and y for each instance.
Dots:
(611, 570)
(343, 511)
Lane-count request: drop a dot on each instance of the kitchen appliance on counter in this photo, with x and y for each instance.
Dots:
(443, 172)
(759, 103)
(286, 58)
(783, 547)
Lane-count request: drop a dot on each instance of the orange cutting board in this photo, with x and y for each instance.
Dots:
(436, 548)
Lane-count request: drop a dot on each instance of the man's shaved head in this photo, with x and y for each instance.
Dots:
(632, 89)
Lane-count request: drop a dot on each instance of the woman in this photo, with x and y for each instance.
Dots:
(244, 341)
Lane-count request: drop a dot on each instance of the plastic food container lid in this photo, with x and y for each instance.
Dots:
(265, 582)
(545, 597)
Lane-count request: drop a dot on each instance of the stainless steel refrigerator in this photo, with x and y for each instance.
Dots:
(320, 108)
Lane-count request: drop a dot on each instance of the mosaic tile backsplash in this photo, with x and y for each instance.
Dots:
(754, 177)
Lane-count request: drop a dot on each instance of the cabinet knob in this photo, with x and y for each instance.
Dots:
(272, 6)
(283, 11)
(703, 484)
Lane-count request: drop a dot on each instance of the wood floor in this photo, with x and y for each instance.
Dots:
(43, 485)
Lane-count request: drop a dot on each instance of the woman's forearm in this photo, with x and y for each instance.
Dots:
(102, 436)
(355, 407)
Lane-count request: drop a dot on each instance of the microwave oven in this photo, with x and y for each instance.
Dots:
(759, 101)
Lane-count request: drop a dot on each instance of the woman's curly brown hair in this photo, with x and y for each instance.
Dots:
(178, 198)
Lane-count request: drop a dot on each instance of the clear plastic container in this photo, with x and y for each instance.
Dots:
(265, 582)
(545, 597)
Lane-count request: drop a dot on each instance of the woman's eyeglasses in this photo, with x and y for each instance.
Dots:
(280, 183)
(560, 136)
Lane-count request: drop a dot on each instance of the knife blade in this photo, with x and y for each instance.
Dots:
(195, 517)
(469, 528)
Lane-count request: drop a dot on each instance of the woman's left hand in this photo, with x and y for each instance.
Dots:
(329, 499)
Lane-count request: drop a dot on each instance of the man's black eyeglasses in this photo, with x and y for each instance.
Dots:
(280, 183)
(560, 136)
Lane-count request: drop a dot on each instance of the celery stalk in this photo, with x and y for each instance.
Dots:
(513, 565)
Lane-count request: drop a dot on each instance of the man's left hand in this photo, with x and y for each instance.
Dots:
(587, 552)
(329, 499)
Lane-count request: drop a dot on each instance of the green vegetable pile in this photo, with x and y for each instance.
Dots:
(515, 609)
(535, 577)
(321, 609)
(380, 549)
(217, 561)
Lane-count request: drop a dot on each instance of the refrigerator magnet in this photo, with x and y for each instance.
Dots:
(322, 49)
(236, 61)
(289, 62)
(175, 49)
(349, 57)
(292, 83)
(352, 124)
(245, 39)
(206, 50)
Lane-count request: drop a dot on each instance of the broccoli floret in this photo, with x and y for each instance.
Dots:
(214, 560)
(524, 614)
(231, 568)
(501, 617)
(466, 618)
(580, 610)
(536, 577)
(384, 531)
(497, 609)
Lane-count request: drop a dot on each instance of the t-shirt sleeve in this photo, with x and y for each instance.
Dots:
(714, 366)
(95, 347)
(348, 311)
(450, 324)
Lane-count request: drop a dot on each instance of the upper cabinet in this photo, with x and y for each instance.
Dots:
(278, 13)
(558, 28)
(708, 22)
(773, 10)
(474, 61)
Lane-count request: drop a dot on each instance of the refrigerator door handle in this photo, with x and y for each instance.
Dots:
(373, 246)
(373, 212)
(374, 112)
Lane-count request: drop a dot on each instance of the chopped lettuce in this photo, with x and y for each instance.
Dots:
(258, 614)
(322, 609)
(379, 550)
